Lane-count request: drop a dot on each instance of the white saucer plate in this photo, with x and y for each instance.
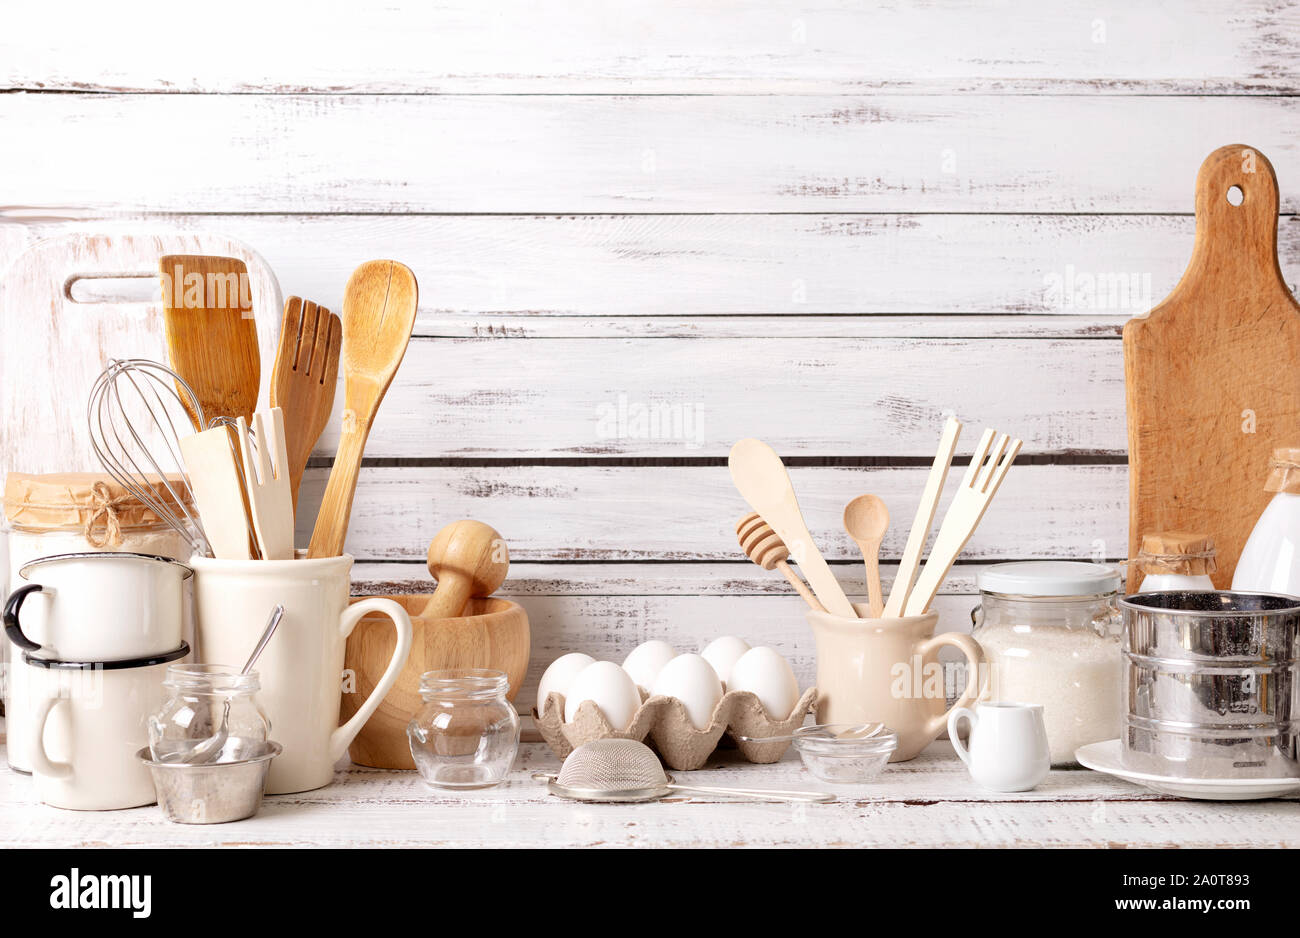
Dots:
(1107, 757)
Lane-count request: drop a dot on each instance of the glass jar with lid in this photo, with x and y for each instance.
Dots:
(467, 732)
(71, 513)
(200, 697)
(1051, 633)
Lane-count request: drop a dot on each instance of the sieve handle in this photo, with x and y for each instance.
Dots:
(758, 794)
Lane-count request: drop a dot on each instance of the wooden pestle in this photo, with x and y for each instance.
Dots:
(468, 559)
(761, 545)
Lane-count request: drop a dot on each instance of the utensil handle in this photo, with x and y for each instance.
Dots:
(336, 507)
(758, 794)
(955, 716)
(342, 737)
(974, 661)
(800, 587)
(924, 518)
(41, 761)
(12, 605)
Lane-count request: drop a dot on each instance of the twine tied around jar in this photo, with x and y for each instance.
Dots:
(1177, 553)
(104, 506)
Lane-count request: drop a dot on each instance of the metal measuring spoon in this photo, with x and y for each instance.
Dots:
(210, 748)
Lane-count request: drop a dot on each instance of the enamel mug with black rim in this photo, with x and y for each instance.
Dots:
(98, 606)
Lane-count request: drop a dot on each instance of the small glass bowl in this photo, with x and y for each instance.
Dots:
(833, 756)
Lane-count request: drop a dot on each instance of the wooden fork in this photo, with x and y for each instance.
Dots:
(305, 376)
(267, 482)
(986, 472)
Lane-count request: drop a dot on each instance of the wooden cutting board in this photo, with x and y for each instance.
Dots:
(1213, 372)
(69, 303)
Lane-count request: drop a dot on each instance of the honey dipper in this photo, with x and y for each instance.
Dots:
(761, 545)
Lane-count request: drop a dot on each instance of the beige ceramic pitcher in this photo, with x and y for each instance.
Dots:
(888, 671)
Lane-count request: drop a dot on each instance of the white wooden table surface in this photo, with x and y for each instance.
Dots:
(929, 802)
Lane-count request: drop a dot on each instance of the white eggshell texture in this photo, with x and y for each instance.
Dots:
(559, 676)
(768, 676)
(647, 660)
(610, 688)
(723, 653)
(692, 680)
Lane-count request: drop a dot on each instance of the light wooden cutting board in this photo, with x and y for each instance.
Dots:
(69, 303)
(1213, 372)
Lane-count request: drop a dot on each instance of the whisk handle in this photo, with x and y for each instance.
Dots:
(759, 794)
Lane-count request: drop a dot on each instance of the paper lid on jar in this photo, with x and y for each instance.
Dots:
(91, 501)
(1284, 471)
(1049, 578)
(1178, 552)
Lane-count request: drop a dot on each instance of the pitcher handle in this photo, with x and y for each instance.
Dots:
(41, 761)
(955, 716)
(342, 737)
(974, 660)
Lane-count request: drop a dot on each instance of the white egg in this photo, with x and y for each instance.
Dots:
(724, 652)
(647, 660)
(610, 688)
(692, 680)
(768, 676)
(559, 676)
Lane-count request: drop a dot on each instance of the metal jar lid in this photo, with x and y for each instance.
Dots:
(1049, 578)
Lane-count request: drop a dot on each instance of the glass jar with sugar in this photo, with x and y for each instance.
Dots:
(1051, 631)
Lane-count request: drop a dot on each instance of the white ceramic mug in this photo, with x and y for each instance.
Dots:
(1007, 747)
(89, 720)
(98, 606)
(302, 666)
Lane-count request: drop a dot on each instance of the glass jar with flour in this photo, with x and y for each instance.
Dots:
(1051, 635)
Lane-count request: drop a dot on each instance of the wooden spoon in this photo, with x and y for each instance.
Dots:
(303, 381)
(378, 317)
(468, 559)
(211, 334)
(866, 518)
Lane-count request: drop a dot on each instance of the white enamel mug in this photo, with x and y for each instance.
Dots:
(302, 666)
(98, 606)
(89, 720)
(1007, 748)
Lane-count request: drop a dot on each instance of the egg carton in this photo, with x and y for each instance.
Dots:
(664, 720)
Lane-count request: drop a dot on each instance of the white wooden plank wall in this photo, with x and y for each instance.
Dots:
(646, 229)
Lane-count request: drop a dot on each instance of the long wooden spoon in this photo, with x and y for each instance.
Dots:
(378, 317)
(866, 518)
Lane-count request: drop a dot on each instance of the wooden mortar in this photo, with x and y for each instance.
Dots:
(493, 633)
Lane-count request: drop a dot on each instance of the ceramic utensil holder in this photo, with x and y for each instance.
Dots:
(888, 671)
(302, 666)
(664, 720)
(493, 634)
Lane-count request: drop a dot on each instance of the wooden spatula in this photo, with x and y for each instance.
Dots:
(761, 478)
(210, 330)
(378, 317)
(1210, 373)
(305, 376)
(218, 492)
(266, 478)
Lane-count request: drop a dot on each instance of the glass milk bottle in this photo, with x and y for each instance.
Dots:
(1174, 561)
(1270, 561)
(1051, 631)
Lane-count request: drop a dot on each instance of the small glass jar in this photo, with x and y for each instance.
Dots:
(199, 698)
(467, 732)
(1051, 636)
(1174, 561)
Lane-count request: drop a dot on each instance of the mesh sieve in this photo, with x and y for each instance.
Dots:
(612, 765)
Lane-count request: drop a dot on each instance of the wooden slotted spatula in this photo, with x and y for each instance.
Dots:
(211, 333)
(1210, 373)
(379, 306)
(761, 478)
(266, 478)
(304, 378)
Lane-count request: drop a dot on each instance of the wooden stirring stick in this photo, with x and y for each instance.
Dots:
(911, 561)
(761, 545)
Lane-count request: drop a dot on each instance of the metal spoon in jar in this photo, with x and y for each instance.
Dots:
(210, 748)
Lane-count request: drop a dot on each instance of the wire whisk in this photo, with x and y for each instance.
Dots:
(136, 438)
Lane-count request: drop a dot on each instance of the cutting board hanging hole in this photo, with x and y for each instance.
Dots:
(114, 288)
